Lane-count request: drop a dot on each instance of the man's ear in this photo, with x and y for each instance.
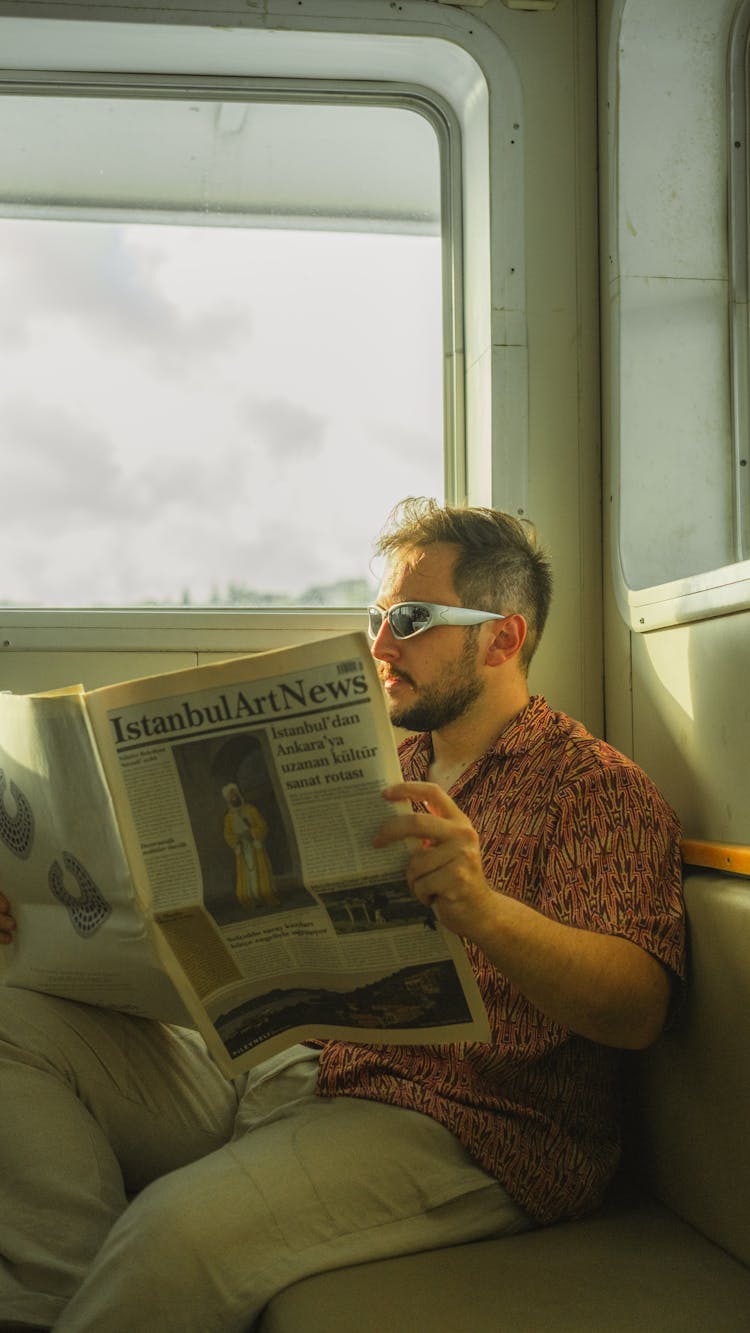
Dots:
(507, 640)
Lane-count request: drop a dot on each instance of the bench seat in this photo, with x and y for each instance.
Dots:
(632, 1268)
(668, 1254)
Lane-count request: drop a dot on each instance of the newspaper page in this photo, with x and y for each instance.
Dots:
(82, 933)
(248, 795)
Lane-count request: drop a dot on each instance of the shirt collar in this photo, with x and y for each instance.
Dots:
(527, 729)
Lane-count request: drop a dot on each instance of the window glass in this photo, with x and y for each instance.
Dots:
(218, 403)
(668, 301)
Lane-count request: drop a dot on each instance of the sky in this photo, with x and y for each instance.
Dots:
(182, 408)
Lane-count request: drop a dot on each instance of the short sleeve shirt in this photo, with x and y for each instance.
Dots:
(579, 832)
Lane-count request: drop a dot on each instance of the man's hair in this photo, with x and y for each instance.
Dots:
(499, 565)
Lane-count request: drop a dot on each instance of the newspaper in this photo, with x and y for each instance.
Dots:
(196, 847)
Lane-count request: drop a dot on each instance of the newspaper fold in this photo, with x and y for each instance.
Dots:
(196, 847)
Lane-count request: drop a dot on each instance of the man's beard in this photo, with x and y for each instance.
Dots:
(446, 699)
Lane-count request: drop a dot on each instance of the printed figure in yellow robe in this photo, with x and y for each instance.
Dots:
(245, 830)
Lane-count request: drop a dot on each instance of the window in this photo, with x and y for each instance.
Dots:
(676, 300)
(223, 342)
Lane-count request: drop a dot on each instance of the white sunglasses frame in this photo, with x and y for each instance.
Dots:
(439, 615)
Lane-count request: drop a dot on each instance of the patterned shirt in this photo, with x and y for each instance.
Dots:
(577, 831)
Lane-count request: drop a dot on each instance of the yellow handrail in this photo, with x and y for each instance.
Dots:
(729, 856)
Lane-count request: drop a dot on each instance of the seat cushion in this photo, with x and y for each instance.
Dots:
(633, 1266)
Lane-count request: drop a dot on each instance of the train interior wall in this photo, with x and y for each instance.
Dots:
(607, 249)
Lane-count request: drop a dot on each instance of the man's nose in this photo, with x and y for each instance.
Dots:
(385, 644)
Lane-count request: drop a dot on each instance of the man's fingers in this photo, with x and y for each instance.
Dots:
(425, 828)
(424, 793)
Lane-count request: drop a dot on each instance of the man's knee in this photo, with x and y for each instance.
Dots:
(177, 1232)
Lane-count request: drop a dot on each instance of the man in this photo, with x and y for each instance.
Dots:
(245, 831)
(550, 854)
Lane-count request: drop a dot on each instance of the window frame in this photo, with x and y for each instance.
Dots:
(296, 92)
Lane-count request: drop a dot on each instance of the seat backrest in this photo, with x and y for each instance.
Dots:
(691, 1111)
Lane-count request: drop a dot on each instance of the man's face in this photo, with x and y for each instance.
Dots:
(432, 679)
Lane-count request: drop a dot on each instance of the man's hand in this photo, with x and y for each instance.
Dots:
(445, 866)
(7, 922)
(601, 986)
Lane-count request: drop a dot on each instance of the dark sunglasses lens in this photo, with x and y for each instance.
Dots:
(408, 619)
(404, 620)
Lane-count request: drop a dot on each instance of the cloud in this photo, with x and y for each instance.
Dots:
(148, 445)
(57, 467)
(287, 430)
(101, 279)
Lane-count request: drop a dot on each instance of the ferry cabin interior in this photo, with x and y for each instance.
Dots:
(581, 167)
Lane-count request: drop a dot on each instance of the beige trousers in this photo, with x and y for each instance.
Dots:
(243, 1188)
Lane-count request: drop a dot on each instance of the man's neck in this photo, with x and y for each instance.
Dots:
(456, 747)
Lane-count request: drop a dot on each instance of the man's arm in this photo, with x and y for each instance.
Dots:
(603, 987)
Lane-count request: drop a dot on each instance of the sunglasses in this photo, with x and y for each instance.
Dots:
(409, 618)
